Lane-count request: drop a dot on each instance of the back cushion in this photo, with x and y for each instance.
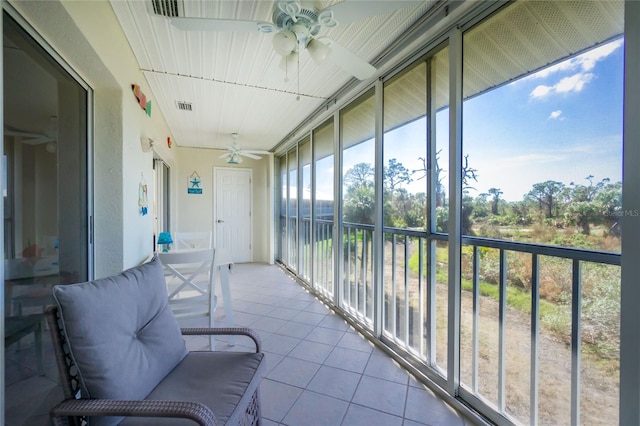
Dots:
(122, 334)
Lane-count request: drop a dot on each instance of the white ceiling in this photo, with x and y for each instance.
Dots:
(229, 78)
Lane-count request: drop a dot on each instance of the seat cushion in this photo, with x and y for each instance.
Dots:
(121, 332)
(223, 381)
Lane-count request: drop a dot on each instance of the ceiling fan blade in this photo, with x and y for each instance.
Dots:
(29, 138)
(226, 154)
(9, 132)
(347, 60)
(249, 155)
(349, 11)
(37, 141)
(257, 151)
(220, 25)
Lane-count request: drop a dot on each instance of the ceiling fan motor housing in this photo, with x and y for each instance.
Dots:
(306, 15)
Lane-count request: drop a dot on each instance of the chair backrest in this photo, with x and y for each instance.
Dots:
(192, 240)
(92, 325)
(190, 276)
(68, 372)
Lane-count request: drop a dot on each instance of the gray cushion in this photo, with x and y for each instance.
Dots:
(223, 381)
(122, 334)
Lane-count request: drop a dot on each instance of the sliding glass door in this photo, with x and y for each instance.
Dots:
(46, 220)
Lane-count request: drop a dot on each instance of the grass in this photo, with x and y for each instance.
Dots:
(600, 300)
(555, 317)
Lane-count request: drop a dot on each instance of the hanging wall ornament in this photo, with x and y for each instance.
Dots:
(143, 198)
(142, 99)
(194, 184)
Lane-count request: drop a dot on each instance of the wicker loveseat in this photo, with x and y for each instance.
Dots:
(123, 360)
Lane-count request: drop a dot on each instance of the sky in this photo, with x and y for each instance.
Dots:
(563, 123)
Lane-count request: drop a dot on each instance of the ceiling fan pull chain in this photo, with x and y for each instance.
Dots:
(286, 70)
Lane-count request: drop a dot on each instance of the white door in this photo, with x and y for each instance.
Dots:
(232, 218)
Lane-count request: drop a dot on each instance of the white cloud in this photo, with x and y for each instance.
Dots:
(589, 59)
(541, 91)
(555, 115)
(585, 62)
(574, 83)
(562, 66)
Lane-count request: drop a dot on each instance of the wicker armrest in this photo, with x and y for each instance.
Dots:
(111, 407)
(237, 331)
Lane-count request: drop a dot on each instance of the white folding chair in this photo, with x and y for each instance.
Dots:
(192, 240)
(191, 275)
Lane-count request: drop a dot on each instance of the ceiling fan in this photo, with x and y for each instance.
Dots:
(27, 137)
(31, 138)
(234, 156)
(297, 25)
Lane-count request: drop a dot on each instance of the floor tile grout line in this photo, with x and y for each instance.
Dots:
(361, 375)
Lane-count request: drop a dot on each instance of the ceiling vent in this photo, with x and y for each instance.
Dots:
(184, 106)
(168, 8)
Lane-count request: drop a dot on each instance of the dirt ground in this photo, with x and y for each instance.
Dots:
(599, 385)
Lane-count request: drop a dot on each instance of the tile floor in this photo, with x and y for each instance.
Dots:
(320, 371)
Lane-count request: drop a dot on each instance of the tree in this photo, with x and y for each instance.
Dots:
(395, 174)
(480, 209)
(439, 176)
(583, 214)
(359, 175)
(587, 193)
(359, 204)
(545, 194)
(415, 214)
(359, 198)
(609, 199)
(468, 174)
(496, 192)
(465, 216)
(521, 212)
(582, 208)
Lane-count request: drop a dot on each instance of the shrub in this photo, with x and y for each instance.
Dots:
(489, 230)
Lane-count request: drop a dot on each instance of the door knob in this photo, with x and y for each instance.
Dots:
(220, 221)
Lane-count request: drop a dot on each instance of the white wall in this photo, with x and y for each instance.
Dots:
(87, 35)
(194, 213)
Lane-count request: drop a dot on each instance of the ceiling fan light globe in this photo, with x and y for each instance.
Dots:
(318, 51)
(284, 42)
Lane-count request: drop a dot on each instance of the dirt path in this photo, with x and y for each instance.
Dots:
(599, 385)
